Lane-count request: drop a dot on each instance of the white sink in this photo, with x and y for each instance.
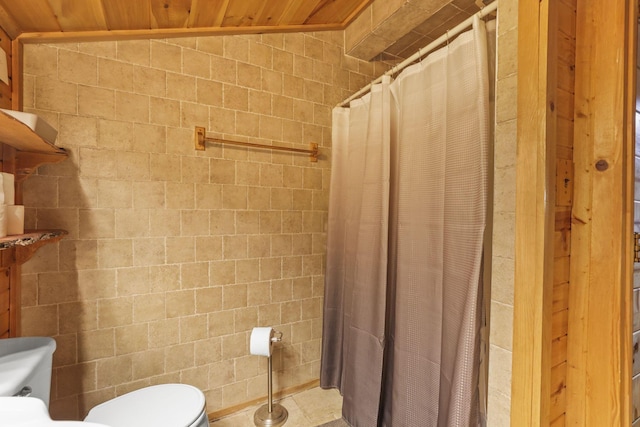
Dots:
(35, 123)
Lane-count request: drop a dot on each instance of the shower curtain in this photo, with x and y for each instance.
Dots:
(407, 217)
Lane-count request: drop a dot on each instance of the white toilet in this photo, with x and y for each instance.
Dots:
(25, 381)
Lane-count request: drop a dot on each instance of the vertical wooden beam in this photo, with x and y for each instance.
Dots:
(13, 270)
(535, 200)
(5, 88)
(16, 81)
(599, 337)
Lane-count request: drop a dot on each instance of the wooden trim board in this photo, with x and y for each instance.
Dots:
(600, 294)
(535, 214)
(276, 395)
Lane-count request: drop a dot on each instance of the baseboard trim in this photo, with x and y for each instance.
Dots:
(216, 415)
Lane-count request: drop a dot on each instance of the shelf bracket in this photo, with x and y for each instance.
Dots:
(28, 162)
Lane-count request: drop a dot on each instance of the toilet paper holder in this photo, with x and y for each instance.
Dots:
(277, 336)
(271, 414)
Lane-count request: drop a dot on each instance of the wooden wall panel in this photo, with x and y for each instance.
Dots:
(9, 271)
(560, 296)
(5, 305)
(599, 338)
(636, 270)
(635, 414)
(636, 353)
(6, 89)
(558, 391)
(535, 231)
(566, 48)
(636, 309)
(9, 291)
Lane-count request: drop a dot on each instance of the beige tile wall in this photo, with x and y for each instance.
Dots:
(174, 255)
(502, 285)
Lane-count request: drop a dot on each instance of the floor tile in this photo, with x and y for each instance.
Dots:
(308, 408)
(320, 406)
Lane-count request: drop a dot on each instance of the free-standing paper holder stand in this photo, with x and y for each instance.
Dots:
(271, 414)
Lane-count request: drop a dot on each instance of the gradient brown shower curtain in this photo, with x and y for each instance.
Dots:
(407, 217)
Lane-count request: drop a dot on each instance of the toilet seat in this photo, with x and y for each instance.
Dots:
(165, 405)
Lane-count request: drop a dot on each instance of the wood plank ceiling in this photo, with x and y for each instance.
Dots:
(56, 19)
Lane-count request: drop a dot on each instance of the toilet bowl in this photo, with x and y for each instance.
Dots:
(32, 412)
(25, 370)
(165, 405)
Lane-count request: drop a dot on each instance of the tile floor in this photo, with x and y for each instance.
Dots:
(306, 409)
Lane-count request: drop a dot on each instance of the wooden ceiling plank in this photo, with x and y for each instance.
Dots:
(8, 23)
(255, 13)
(242, 13)
(170, 13)
(38, 17)
(76, 15)
(271, 12)
(327, 9)
(32, 15)
(207, 13)
(161, 33)
(353, 14)
(298, 12)
(331, 11)
(127, 14)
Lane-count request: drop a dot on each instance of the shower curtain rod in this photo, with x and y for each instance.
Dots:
(490, 8)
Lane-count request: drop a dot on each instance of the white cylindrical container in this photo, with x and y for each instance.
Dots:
(15, 219)
(8, 188)
(3, 220)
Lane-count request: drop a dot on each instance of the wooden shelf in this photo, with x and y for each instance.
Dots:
(31, 237)
(22, 151)
(28, 243)
(31, 151)
(20, 136)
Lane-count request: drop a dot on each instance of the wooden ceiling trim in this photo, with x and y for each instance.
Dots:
(161, 33)
(127, 14)
(170, 13)
(32, 15)
(74, 16)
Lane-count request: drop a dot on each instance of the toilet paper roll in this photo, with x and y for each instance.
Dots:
(260, 342)
(15, 219)
(3, 220)
(8, 189)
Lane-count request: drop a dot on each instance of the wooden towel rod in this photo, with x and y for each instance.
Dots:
(201, 139)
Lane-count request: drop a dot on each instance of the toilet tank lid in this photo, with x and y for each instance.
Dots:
(165, 405)
(22, 358)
